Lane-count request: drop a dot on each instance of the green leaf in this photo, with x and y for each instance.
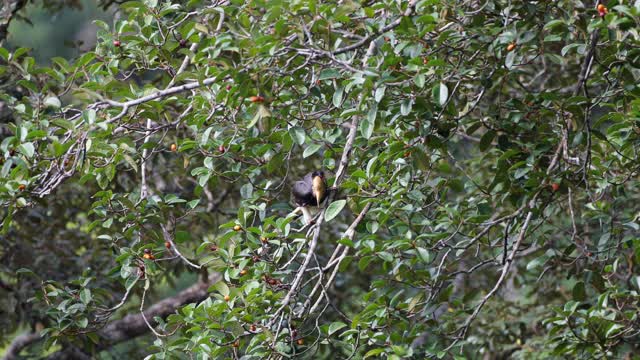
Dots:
(85, 296)
(53, 102)
(379, 94)
(368, 124)
(329, 74)
(337, 96)
(373, 352)
(509, 59)
(443, 94)
(246, 191)
(579, 291)
(334, 209)
(220, 287)
(25, 271)
(311, 149)
(425, 256)
(27, 149)
(335, 327)
(297, 134)
(405, 106)
(486, 139)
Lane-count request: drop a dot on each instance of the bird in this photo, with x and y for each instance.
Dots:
(309, 192)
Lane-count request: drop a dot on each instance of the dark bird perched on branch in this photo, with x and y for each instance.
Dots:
(308, 192)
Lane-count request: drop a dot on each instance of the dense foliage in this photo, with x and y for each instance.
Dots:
(483, 157)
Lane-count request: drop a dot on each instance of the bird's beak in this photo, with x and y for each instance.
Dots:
(318, 188)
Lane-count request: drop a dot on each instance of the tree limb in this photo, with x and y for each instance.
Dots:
(124, 329)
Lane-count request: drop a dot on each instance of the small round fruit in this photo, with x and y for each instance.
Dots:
(117, 43)
(601, 7)
(256, 99)
(243, 272)
(511, 46)
(227, 298)
(167, 244)
(221, 149)
(264, 239)
(21, 187)
(214, 248)
(148, 256)
(425, 60)
(173, 147)
(252, 328)
(555, 187)
(237, 228)
(147, 251)
(300, 341)
(236, 344)
(228, 87)
(183, 43)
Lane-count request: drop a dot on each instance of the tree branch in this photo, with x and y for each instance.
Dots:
(127, 328)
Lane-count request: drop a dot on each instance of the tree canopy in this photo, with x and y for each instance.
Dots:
(482, 160)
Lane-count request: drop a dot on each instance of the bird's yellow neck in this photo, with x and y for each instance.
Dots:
(318, 188)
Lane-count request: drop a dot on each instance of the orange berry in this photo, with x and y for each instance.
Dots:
(148, 256)
(511, 46)
(21, 187)
(300, 341)
(264, 239)
(173, 147)
(555, 187)
(237, 228)
(601, 7)
(227, 298)
(236, 344)
(256, 99)
(243, 272)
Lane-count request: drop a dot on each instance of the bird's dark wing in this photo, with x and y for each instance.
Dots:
(302, 193)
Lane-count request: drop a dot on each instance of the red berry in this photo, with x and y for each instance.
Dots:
(116, 43)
